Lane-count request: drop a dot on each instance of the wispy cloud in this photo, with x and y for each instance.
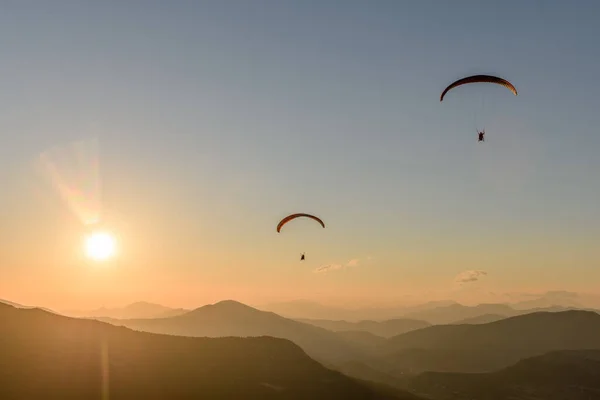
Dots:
(355, 262)
(328, 267)
(469, 276)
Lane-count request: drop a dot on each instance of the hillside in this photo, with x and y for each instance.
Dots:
(486, 347)
(230, 318)
(386, 328)
(563, 375)
(55, 357)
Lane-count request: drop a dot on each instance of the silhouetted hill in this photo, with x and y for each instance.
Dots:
(563, 375)
(140, 309)
(481, 319)
(487, 347)
(46, 356)
(230, 318)
(386, 329)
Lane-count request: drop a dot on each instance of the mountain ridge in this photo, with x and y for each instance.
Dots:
(51, 356)
(232, 318)
(495, 345)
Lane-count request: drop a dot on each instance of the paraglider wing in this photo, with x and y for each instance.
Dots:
(294, 216)
(478, 79)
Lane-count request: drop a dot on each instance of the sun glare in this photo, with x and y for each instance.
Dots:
(100, 246)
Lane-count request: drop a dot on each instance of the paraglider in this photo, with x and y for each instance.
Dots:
(294, 216)
(479, 79)
(481, 136)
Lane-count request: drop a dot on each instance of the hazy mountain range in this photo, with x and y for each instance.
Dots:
(558, 298)
(491, 346)
(54, 357)
(444, 348)
(386, 329)
(482, 354)
(231, 318)
(439, 312)
(139, 309)
(305, 309)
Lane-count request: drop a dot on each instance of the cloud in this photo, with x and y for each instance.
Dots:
(469, 276)
(355, 262)
(328, 267)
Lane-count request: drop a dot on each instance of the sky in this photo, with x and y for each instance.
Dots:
(188, 129)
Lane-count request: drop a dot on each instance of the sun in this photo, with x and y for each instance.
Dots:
(100, 246)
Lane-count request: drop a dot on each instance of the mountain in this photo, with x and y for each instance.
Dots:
(457, 312)
(54, 357)
(304, 309)
(230, 318)
(487, 347)
(386, 328)
(562, 375)
(560, 298)
(140, 309)
(481, 319)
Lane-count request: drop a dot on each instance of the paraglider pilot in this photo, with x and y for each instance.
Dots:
(481, 136)
(302, 257)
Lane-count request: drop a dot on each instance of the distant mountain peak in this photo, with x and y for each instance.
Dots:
(230, 303)
(226, 306)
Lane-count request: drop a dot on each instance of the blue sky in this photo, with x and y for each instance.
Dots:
(214, 119)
